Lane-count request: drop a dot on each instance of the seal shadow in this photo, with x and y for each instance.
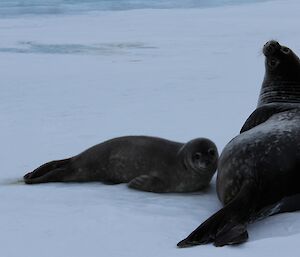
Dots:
(12, 181)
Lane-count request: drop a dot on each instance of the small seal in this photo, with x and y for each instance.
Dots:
(258, 170)
(145, 163)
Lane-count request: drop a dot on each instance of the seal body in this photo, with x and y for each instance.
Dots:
(146, 163)
(259, 170)
(268, 155)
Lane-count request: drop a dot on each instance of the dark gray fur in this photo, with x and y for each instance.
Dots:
(259, 170)
(145, 163)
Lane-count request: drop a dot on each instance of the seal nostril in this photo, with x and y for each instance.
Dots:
(271, 47)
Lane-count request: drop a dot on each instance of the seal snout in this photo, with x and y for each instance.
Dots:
(271, 47)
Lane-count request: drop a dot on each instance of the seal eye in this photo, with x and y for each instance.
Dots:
(211, 152)
(197, 157)
(285, 50)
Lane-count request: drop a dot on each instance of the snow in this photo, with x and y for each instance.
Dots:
(71, 81)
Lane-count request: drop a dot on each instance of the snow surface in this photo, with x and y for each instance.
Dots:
(69, 82)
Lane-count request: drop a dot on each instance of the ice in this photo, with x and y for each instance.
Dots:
(178, 74)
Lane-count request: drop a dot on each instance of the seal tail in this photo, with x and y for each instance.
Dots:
(49, 172)
(226, 227)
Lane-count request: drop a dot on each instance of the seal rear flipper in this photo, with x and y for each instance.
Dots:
(223, 228)
(148, 183)
(231, 234)
(286, 204)
(289, 204)
(56, 175)
(227, 226)
(263, 113)
(40, 174)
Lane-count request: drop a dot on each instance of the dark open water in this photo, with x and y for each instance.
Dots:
(48, 7)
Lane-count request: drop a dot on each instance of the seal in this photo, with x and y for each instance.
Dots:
(259, 170)
(145, 163)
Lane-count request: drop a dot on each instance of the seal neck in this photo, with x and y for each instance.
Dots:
(279, 91)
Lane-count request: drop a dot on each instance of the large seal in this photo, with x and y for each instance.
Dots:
(259, 170)
(146, 163)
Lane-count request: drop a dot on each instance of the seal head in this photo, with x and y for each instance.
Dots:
(199, 158)
(200, 155)
(282, 77)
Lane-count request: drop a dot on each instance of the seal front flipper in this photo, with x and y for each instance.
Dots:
(148, 183)
(263, 113)
(227, 226)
